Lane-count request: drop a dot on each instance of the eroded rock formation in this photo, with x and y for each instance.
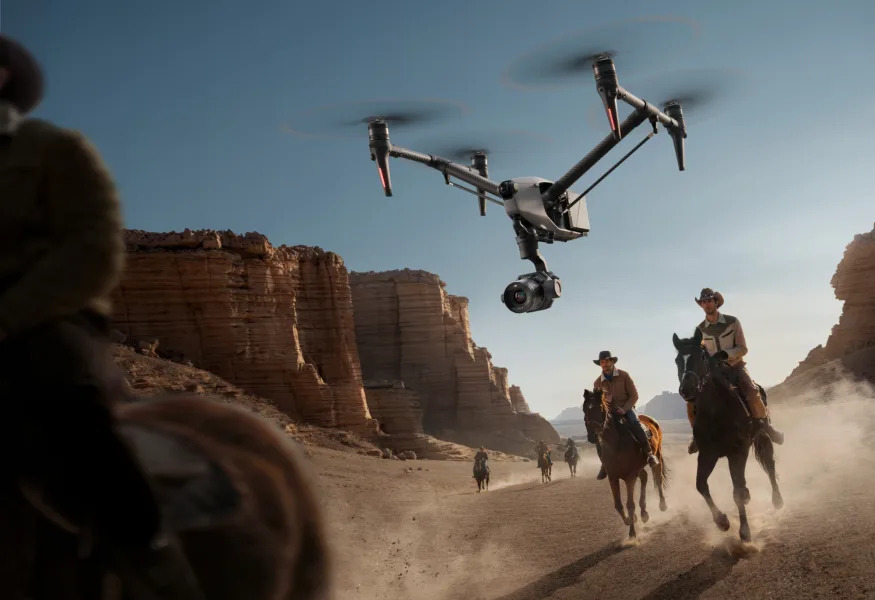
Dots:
(409, 329)
(850, 348)
(275, 321)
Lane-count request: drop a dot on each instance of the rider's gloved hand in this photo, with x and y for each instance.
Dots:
(722, 355)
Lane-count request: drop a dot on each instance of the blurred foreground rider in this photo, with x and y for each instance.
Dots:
(61, 254)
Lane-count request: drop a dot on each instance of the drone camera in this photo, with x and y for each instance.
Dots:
(507, 189)
(478, 162)
(607, 84)
(673, 110)
(532, 292)
(378, 136)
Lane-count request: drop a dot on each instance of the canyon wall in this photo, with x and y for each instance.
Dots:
(409, 329)
(849, 351)
(275, 321)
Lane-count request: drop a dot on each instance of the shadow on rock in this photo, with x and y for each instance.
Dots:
(563, 576)
(693, 582)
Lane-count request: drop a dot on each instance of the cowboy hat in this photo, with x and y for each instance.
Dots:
(709, 293)
(24, 88)
(605, 354)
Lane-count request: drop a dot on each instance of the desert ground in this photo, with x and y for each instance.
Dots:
(418, 529)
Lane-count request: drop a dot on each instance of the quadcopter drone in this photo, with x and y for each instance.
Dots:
(541, 210)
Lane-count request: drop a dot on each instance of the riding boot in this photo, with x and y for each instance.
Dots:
(766, 427)
(641, 436)
(602, 473)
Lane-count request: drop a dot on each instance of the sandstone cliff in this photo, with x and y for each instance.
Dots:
(274, 321)
(409, 329)
(849, 351)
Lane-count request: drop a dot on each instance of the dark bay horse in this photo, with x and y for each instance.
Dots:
(623, 458)
(231, 485)
(546, 466)
(481, 474)
(722, 429)
(572, 457)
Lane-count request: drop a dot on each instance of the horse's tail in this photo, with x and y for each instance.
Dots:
(764, 451)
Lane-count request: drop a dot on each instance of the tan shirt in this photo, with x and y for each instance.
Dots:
(61, 245)
(621, 389)
(725, 334)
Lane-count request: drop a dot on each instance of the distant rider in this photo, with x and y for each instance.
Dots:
(620, 389)
(481, 455)
(723, 338)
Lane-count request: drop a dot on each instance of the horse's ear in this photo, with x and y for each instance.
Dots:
(697, 336)
(676, 341)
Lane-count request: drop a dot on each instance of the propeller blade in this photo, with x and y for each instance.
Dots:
(462, 146)
(636, 45)
(348, 120)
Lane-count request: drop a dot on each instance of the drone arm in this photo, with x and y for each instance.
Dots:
(596, 154)
(649, 110)
(447, 168)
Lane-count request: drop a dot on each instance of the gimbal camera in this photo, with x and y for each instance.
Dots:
(541, 210)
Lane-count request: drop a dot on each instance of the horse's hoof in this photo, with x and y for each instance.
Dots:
(645, 516)
(722, 522)
(663, 506)
(777, 501)
(744, 533)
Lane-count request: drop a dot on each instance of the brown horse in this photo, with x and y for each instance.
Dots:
(622, 457)
(546, 466)
(234, 489)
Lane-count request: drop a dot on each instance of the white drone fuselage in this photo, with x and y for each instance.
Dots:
(528, 204)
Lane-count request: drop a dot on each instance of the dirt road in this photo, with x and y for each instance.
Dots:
(417, 529)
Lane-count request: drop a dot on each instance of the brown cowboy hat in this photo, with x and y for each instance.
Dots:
(709, 293)
(605, 354)
(24, 88)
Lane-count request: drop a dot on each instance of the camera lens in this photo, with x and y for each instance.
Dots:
(523, 295)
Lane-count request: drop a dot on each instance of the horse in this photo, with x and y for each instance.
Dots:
(481, 474)
(546, 466)
(623, 458)
(572, 457)
(722, 429)
(231, 486)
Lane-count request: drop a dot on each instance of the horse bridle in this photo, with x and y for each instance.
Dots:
(604, 424)
(700, 381)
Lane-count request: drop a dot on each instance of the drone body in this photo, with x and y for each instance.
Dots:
(541, 210)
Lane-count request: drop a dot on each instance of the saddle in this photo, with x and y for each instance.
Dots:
(732, 378)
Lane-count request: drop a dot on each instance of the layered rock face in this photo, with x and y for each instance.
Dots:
(409, 329)
(850, 348)
(275, 321)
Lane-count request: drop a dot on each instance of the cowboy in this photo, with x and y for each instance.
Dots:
(723, 338)
(61, 254)
(481, 455)
(618, 386)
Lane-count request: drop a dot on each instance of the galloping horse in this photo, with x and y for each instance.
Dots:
(722, 428)
(481, 474)
(623, 458)
(231, 485)
(572, 457)
(546, 466)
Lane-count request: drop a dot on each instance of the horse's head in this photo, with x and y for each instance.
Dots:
(595, 413)
(693, 365)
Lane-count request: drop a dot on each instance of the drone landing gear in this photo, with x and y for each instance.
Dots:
(532, 291)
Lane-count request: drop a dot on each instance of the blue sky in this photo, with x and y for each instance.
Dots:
(187, 102)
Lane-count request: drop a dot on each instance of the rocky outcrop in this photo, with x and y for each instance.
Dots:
(409, 329)
(850, 348)
(518, 401)
(275, 321)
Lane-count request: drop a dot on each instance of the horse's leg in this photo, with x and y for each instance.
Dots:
(642, 500)
(707, 462)
(615, 490)
(740, 493)
(764, 450)
(630, 503)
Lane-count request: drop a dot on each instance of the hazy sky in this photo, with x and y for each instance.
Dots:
(188, 102)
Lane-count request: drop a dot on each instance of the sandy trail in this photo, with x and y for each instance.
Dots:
(418, 529)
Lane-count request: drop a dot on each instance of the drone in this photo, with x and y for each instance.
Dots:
(542, 211)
